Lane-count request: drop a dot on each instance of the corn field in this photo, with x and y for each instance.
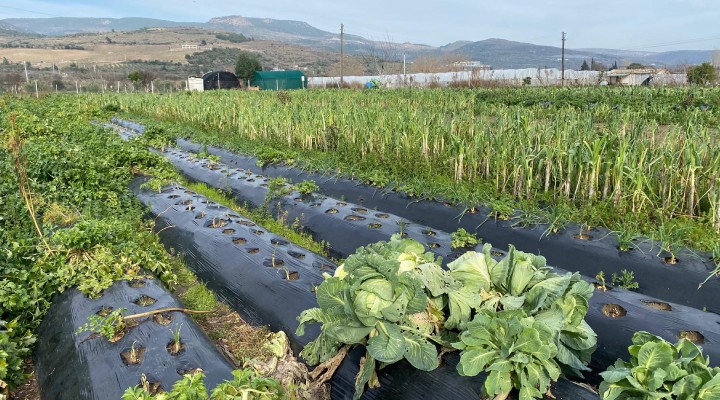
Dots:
(643, 150)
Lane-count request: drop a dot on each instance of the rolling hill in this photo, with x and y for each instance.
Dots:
(498, 53)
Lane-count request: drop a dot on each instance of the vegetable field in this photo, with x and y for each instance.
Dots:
(639, 161)
(214, 218)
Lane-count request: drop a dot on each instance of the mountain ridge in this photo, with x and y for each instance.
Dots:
(496, 52)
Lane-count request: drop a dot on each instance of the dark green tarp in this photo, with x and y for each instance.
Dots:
(279, 80)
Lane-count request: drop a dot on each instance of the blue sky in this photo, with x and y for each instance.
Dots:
(654, 25)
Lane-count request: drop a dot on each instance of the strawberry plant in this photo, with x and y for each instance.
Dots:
(660, 370)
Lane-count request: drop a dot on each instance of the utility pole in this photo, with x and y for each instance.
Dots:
(342, 58)
(562, 73)
(27, 79)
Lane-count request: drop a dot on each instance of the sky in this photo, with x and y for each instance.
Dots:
(646, 25)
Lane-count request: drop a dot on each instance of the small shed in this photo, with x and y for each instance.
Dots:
(279, 80)
(633, 77)
(213, 80)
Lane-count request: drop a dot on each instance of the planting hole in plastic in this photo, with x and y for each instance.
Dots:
(173, 196)
(175, 348)
(163, 319)
(354, 218)
(658, 305)
(217, 223)
(251, 180)
(258, 232)
(341, 204)
(323, 266)
(274, 263)
(360, 210)
(228, 231)
(190, 208)
(331, 211)
(279, 242)
(671, 260)
(189, 192)
(246, 223)
(200, 215)
(693, 336)
(374, 225)
(233, 215)
(133, 355)
(145, 301)
(433, 245)
(253, 250)
(191, 371)
(153, 387)
(295, 254)
(184, 202)
(290, 275)
(601, 287)
(428, 232)
(582, 236)
(497, 253)
(264, 185)
(382, 215)
(614, 311)
(136, 283)
(239, 240)
(104, 311)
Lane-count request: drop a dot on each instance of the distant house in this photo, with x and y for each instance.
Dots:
(213, 80)
(190, 46)
(634, 77)
(279, 80)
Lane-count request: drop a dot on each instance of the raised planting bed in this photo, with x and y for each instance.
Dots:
(86, 365)
(241, 262)
(347, 225)
(345, 235)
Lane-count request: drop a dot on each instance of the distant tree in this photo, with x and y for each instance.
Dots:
(139, 78)
(636, 66)
(702, 74)
(614, 66)
(584, 66)
(203, 42)
(247, 63)
(232, 37)
(107, 39)
(597, 66)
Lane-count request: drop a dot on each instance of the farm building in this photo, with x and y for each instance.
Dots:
(213, 80)
(279, 80)
(633, 77)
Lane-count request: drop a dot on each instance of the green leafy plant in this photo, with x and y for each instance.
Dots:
(14, 347)
(377, 300)
(306, 187)
(462, 239)
(601, 277)
(523, 281)
(660, 370)
(247, 384)
(625, 280)
(397, 301)
(109, 325)
(517, 350)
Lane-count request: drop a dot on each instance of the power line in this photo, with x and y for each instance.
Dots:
(30, 11)
(655, 45)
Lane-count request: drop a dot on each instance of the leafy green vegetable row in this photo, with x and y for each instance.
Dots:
(513, 318)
